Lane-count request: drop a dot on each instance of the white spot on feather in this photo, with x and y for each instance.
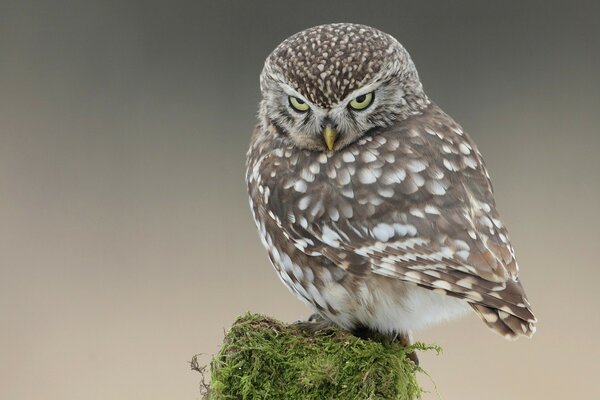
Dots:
(300, 186)
(366, 176)
(450, 165)
(304, 202)
(470, 162)
(464, 149)
(416, 165)
(368, 157)
(383, 232)
(330, 237)
(435, 187)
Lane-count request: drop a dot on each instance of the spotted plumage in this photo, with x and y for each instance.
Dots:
(394, 227)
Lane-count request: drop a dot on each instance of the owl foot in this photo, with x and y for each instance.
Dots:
(315, 323)
(404, 339)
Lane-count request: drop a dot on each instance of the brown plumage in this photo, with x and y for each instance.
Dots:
(394, 228)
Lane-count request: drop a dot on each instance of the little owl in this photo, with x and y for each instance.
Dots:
(374, 205)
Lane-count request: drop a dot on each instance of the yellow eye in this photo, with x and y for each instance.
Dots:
(299, 105)
(361, 102)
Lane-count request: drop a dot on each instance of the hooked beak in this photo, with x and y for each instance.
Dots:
(329, 134)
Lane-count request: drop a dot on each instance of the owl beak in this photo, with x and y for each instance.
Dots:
(329, 134)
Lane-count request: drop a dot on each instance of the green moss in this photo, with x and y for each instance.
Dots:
(262, 358)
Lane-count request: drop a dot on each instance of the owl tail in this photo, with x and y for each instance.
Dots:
(507, 325)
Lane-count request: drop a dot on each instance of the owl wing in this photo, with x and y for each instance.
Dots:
(452, 251)
(417, 206)
(477, 269)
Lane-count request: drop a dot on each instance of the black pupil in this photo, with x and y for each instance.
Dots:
(299, 101)
(361, 98)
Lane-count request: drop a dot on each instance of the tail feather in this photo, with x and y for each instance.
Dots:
(507, 325)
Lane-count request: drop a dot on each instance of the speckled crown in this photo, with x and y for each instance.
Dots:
(328, 62)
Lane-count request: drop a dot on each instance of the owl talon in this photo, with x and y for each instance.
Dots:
(413, 357)
(405, 341)
(315, 323)
(367, 334)
(315, 317)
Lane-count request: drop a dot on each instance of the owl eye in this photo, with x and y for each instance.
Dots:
(298, 104)
(361, 102)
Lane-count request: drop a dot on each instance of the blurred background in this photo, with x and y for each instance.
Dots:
(126, 243)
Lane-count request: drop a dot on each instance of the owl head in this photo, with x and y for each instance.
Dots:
(325, 87)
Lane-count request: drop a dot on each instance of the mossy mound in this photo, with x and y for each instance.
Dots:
(262, 358)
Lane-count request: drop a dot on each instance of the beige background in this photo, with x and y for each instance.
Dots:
(126, 244)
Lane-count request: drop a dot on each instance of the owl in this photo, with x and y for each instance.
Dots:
(375, 207)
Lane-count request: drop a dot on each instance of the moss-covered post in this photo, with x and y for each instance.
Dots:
(262, 358)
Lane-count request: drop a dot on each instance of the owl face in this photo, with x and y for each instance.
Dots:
(327, 86)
